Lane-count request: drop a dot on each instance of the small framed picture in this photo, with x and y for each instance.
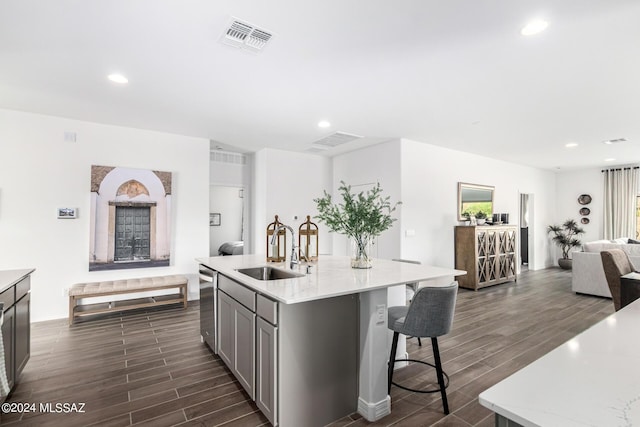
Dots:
(67, 213)
(214, 219)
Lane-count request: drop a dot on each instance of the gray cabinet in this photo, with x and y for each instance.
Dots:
(267, 357)
(236, 332)
(16, 323)
(267, 369)
(8, 339)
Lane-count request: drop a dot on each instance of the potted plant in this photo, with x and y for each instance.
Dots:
(361, 216)
(565, 236)
(467, 217)
(481, 217)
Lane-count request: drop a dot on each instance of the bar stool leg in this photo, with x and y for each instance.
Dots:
(392, 359)
(443, 391)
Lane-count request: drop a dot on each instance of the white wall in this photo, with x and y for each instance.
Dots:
(430, 176)
(40, 172)
(285, 184)
(570, 186)
(376, 164)
(425, 178)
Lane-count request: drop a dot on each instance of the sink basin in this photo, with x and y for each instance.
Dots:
(268, 273)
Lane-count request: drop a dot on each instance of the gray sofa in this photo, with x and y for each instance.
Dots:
(587, 272)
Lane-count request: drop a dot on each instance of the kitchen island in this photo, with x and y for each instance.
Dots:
(321, 339)
(591, 380)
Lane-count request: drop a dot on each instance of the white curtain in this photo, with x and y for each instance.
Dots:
(620, 194)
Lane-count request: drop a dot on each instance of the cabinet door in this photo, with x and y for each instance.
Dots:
(23, 333)
(225, 329)
(245, 350)
(8, 340)
(267, 369)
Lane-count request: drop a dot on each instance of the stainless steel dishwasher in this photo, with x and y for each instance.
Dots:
(208, 284)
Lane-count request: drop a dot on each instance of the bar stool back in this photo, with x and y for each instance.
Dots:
(430, 314)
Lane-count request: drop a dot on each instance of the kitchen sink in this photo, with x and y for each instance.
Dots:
(268, 273)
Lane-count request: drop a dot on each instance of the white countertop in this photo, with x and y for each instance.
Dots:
(591, 380)
(330, 276)
(11, 277)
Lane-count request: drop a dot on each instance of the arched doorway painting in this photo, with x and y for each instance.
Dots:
(130, 218)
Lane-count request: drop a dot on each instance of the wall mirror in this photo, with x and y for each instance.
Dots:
(473, 198)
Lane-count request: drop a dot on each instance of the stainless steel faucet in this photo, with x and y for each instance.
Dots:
(294, 254)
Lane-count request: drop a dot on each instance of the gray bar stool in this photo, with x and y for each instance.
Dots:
(430, 314)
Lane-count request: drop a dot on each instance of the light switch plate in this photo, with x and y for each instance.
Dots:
(380, 312)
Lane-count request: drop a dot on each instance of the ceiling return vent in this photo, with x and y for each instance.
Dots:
(228, 157)
(334, 140)
(246, 36)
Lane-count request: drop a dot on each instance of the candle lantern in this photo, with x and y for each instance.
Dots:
(278, 251)
(308, 240)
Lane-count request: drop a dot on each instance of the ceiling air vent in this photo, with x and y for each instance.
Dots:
(336, 139)
(246, 36)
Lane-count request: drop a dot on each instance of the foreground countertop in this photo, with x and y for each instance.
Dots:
(591, 380)
(330, 276)
(9, 278)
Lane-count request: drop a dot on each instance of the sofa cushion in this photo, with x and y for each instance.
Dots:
(596, 246)
(621, 240)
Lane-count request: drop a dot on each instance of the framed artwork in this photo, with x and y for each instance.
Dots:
(130, 218)
(214, 219)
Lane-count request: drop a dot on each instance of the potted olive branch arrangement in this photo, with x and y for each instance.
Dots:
(566, 237)
(361, 216)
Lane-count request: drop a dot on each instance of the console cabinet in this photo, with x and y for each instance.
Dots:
(487, 253)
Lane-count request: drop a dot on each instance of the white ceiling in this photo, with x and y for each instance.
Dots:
(455, 73)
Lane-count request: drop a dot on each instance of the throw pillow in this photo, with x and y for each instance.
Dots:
(634, 241)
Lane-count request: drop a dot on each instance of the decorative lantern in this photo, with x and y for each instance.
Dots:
(277, 252)
(308, 240)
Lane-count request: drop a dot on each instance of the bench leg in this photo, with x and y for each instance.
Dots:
(184, 295)
(72, 306)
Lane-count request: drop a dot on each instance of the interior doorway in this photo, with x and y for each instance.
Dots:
(526, 252)
(226, 219)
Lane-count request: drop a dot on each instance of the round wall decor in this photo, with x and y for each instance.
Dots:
(585, 211)
(585, 220)
(584, 199)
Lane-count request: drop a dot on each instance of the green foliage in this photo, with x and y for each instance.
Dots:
(565, 236)
(481, 215)
(361, 216)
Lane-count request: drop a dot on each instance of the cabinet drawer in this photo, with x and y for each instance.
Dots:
(243, 295)
(8, 298)
(22, 287)
(267, 309)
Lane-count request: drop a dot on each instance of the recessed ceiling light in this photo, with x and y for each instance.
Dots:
(534, 27)
(118, 78)
(609, 159)
(571, 145)
(323, 124)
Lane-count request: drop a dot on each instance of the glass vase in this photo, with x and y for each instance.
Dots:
(360, 253)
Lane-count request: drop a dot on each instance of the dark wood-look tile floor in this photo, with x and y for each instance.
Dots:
(148, 368)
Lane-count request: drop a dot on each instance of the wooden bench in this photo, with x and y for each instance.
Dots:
(125, 286)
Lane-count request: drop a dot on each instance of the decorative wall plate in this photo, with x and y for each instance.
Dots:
(585, 211)
(584, 199)
(585, 220)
